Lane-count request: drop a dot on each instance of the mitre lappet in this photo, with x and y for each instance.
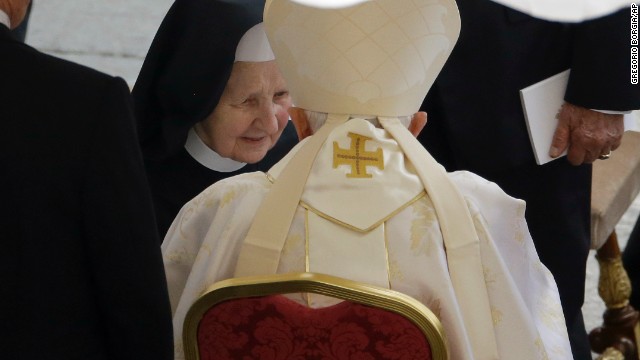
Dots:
(365, 64)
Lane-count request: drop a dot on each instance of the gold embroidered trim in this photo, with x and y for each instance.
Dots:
(386, 254)
(375, 225)
(270, 178)
(306, 296)
(357, 157)
(306, 240)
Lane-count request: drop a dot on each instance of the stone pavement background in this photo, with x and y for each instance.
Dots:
(109, 35)
(113, 36)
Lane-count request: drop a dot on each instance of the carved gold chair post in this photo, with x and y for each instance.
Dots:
(620, 328)
(616, 183)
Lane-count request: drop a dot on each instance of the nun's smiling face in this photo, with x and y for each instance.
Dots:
(251, 113)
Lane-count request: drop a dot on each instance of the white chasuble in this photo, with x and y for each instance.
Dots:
(364, 215)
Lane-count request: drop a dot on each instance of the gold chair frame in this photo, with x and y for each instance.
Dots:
(321, 284)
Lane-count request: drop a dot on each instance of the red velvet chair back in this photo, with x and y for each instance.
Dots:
(247, 319)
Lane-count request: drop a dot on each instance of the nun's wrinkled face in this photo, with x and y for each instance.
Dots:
(251, 113)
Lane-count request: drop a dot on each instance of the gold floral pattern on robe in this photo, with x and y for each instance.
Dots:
(422, 225)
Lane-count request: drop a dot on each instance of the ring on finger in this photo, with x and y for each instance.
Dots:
(605, 156)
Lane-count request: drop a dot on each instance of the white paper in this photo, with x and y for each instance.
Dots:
(540, 104)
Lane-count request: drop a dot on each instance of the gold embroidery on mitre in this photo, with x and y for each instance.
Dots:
(357, 157)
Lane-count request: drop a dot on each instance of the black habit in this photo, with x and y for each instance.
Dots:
(81, 275)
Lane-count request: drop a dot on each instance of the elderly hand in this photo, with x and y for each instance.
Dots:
(586, 134)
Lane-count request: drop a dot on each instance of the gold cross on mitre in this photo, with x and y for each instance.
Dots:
(357, 157)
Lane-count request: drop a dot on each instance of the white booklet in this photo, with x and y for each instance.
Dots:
(540, 104)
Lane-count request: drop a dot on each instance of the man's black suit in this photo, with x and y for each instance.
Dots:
(476, 123)
(81, 274)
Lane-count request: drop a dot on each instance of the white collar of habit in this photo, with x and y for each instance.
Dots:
(4, 19)
(207, 157)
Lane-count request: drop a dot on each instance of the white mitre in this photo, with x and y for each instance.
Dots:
(375, 57)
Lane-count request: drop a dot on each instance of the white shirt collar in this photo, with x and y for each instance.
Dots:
(4, 19)
(207, 157)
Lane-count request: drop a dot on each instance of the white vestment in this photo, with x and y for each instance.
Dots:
(343, 225)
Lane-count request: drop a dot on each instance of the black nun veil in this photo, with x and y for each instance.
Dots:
(180, 84)
(187, 68)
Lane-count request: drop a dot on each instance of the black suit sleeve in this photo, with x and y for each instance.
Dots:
(601, 65)
(122, 242)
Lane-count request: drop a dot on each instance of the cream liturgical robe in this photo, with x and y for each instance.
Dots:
(364, 215)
